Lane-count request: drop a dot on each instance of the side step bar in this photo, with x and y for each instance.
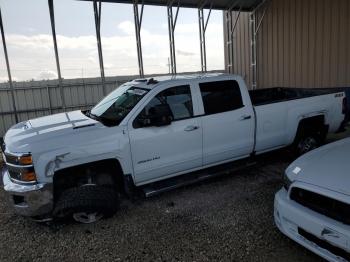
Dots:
(194, 177)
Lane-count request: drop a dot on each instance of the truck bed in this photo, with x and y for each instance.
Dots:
(280, 94)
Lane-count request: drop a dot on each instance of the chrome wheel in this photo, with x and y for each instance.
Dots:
(87, 218)
(307, 144)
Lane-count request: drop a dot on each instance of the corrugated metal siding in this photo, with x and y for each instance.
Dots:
(40, 98)
(304, 43)
(241, 47)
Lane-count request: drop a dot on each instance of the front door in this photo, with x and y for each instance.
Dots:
(165, 151)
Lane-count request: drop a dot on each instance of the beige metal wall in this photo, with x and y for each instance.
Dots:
(303, 43)
(240, 52)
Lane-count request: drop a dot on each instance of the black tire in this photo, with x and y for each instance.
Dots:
(306, 142)
(87, 198)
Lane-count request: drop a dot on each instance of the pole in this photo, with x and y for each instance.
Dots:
(171, 30)
(138, 23)
(8, 68)
(202, 31)
(53, 29)
(97, 14)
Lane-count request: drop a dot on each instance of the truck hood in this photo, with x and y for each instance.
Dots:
(22, 134)
(326, 167)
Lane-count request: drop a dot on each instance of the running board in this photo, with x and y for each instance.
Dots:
(194, 177)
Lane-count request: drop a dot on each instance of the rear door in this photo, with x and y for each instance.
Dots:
(165, 151)
(228, 122)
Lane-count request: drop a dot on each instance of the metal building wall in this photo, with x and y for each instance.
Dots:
(241, 46)
(303, 43)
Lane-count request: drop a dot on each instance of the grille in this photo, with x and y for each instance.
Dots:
(324, 244)
(329, 207)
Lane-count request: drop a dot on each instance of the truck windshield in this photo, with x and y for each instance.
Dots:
(114, 107)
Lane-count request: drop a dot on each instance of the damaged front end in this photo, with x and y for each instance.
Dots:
(28, 197)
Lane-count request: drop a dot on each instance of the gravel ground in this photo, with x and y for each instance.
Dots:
(224, 219)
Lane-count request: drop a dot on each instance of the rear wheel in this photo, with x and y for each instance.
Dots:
(87, 203)
(307, 144)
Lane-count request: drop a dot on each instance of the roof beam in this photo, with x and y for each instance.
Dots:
(247, 5)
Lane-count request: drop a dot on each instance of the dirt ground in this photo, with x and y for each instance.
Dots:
(229, 218)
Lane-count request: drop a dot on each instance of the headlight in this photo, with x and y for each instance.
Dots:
(25, 160)
(20, 167)
(26, 176)
(286, 182)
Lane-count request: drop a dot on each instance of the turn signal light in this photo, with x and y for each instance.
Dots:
(25, 160)
(29, 176)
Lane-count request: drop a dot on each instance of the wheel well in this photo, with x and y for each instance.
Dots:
(108, 172)
(312, 125)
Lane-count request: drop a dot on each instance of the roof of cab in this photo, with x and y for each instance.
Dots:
(151, 82)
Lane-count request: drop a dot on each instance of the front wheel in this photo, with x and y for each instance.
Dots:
(86, 204)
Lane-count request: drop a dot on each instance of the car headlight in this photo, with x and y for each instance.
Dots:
(25, 160)
(20, 167)
(286, 182)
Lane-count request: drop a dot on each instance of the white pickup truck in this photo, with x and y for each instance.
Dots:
(155, 134)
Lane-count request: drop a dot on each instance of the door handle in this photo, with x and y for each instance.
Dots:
(191, 128)
(245, 117)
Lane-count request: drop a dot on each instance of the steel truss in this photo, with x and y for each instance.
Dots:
(171, 28)
(203, 23)
(8, 68)
(138, 24)
(53, 29)
(97, 15)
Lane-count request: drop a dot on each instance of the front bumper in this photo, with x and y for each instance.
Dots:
(292, 218)
(29, 200)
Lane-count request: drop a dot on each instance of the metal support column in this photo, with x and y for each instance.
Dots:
(171, 29)
(8, 68)
(253, 49)
(202, 29)
(97, 14)
(138, 23)
(231, 27)
(255, 26)
(53, 28)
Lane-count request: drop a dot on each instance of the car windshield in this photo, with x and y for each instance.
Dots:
(114, 107)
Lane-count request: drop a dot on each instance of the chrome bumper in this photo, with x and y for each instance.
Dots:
(29, 200)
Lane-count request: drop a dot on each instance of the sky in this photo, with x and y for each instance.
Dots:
(30, 46)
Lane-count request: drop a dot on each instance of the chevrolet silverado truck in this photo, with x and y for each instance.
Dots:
(155, 134)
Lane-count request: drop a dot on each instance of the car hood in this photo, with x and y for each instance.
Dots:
(326, 167)
(22, 134)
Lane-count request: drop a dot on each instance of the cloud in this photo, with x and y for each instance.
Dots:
(127, 27)
(46, 75)
(185, 53)
(33, 56)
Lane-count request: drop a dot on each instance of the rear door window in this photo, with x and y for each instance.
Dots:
(221, 96)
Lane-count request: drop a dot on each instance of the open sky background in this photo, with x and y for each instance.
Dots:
(30, 47)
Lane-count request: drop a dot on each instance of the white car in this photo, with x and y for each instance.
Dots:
(313, 207)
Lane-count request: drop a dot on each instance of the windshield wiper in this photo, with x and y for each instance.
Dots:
(91, 115)
(105, 121)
